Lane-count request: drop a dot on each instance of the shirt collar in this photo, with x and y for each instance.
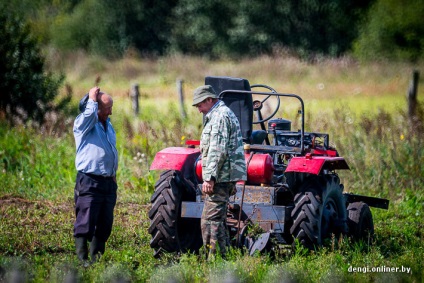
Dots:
(207, 115)
(213, 107)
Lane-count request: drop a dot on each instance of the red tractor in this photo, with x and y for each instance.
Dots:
(292, 192)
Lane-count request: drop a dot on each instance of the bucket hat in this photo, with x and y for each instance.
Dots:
(203, 92)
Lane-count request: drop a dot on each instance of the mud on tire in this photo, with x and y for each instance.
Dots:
(169, 231)
(319, 211)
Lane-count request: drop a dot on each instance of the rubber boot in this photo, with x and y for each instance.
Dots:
(97, 249)
(82, 249)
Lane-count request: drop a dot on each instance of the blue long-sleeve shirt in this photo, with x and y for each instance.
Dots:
(95, 145)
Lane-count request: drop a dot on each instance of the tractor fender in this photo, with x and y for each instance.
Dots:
(315, 164)
(182, 159)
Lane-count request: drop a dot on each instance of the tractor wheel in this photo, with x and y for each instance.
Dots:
(360, 223)
(169, 231)
(319, 211)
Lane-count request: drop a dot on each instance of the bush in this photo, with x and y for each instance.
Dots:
(88, 26)
(394, 30)
(241, 28)
(26, 91)
(110, 27)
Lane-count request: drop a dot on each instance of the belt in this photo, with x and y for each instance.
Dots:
(97, 176)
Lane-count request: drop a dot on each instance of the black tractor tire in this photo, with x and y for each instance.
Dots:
(319, 211)
(170, 232)
(360, 222)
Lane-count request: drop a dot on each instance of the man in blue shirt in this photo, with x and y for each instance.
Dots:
(96, 161)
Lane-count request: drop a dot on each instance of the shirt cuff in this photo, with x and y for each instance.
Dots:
(211, 178)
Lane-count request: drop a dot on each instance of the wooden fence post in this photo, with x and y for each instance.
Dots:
(181, 97)
(412, 94)
(134, 94)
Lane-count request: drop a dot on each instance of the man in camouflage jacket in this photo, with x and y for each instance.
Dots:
(223, 164)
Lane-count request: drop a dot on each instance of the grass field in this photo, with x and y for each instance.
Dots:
(361, 106)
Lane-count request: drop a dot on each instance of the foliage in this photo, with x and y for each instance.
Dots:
(89, 26)
(111, 27)
(394, 30)
(33, 160)
(27, 92)
(390, 29)
(215, 28)
(147, 23)
(359, 137)
(250, 27)
(39, 14)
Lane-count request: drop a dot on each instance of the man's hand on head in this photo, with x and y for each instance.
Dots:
(93, 93)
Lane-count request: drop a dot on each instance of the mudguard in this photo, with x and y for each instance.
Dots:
(314, 164)
(182, 159)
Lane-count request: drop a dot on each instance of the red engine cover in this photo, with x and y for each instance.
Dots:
(259, 170)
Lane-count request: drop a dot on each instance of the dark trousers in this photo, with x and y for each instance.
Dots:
(95, 199)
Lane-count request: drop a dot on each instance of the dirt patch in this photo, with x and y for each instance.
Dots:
(11, 203)
(8, 201)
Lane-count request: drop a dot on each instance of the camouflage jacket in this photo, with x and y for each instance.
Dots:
(221, 145)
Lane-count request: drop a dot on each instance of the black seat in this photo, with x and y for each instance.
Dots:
(240, 103)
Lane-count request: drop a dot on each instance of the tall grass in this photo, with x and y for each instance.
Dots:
(324, 79)
(382, 148)
(35, 166)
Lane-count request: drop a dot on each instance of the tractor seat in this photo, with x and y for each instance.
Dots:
(240, 103)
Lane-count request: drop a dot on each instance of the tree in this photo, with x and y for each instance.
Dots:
(248, 28)
(27, 92)
(200, 27)
(216, 28)
(394, 30)
(110, 27)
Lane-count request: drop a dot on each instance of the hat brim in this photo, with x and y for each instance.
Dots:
(199, 99)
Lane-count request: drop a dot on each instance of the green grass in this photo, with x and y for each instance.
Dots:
(370, 130)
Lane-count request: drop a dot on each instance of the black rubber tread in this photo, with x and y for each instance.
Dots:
(360, 221)
(307, 215)
(170, 232)
(164, 236)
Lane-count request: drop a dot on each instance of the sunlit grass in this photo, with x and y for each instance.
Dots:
(326, 78)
